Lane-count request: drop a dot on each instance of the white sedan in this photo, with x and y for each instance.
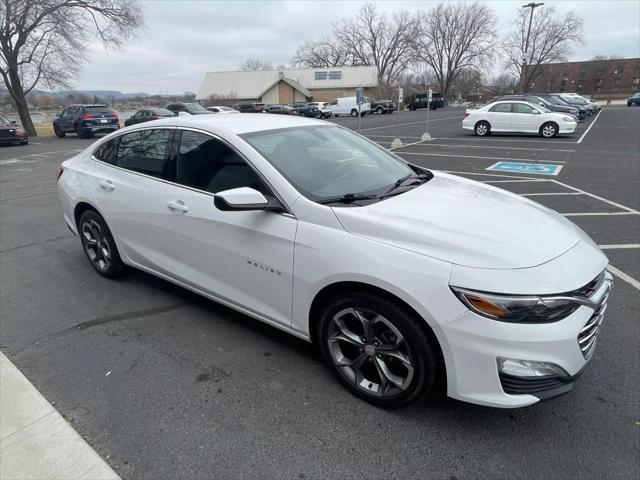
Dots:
(517, 117)
(406, 279)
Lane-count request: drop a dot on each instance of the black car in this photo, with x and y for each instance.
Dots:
(574, 102)
(538, 100)
(147, 115)
(634, 99)
(583, 110)
(281, 109)
(382, 106)
(306, 109)
(85, 121)
(250, 107)
(420, 101)
(190, 108)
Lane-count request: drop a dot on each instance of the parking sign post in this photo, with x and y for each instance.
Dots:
(359, 99)
(397, 142)
(426, 136)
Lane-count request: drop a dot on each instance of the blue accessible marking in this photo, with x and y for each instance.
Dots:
(523, 167)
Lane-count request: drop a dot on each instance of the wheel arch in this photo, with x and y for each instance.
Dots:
(82, 207)
(552, 122)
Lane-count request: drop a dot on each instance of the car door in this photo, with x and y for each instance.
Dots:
(66, 120)
(241, 257)
(499, 116)
(131, 181)
(524, 118)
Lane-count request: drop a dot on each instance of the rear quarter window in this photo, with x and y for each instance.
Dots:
(145, 152)
(107, 151)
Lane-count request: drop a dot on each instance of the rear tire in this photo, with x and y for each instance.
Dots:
(354, 113)
(549, 130)
(482, 129)
(99, 246)
(378, 350)
(379, 110)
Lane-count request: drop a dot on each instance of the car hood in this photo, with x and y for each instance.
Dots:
(466, 223)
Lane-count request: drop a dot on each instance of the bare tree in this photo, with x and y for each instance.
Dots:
(44, 41)
(502, 84)
(467, 82)
(551, 40)
(256, 64)
(370, 38)
(452, 37)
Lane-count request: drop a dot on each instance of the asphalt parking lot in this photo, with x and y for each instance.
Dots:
(165, 384)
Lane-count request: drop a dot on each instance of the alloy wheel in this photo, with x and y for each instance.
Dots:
(482, 129)
(548, 131)
(96, 245)
(370, 352)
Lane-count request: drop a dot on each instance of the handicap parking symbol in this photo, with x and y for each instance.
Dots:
(523, 167)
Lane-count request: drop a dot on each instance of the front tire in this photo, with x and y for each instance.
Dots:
(379, 110)
(354, 113)
(482, 129)
(58, 133)
(549, 130)
(378, 350)
(99, 246)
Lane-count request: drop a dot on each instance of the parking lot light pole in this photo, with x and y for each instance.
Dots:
(397, 143)
(532, 6)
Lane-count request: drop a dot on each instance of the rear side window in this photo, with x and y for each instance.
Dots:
(107, 151)
(501, 108)
(208, 164)
(145, 152)
(522, 108)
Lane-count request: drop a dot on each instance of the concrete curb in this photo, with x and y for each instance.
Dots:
(36, 442)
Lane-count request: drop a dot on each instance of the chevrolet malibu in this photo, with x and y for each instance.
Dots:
(517, 117)
(408, 280)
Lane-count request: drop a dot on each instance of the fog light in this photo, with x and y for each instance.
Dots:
(527, 368)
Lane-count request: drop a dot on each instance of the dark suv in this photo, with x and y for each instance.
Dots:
(381, 106)
(190, 108)
(250, 107)
(85, 121)
(420, 101)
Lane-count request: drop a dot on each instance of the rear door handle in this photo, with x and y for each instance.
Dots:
(178, 206)
(106, 185)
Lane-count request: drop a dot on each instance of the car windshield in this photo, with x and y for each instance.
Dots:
(4, 119)
(195, 107)
(556, 101)
(324, 162)
(163, 112)
(543, 108)
(99, 110)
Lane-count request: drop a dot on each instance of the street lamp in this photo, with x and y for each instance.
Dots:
(532, 6)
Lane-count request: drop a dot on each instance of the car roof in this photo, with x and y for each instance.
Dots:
(239, 124)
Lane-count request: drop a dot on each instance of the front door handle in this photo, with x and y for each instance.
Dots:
(178, 206)
(106, 185)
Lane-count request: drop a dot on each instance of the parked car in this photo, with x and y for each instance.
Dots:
(496, 297)
(148, 115)
(189, 108)
(583, 110)
(420, 101)
(517, 117)
(596, 106)
(575, 102)
(306, 109)
(10, 132)
(280, 109)
(536, 100)
(382, 106)
(323, 107)
(250, 107)
(222, 109)
(633, 99)
(348, 106)
(85, 121)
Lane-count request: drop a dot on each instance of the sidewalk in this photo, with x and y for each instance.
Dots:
(36, 442)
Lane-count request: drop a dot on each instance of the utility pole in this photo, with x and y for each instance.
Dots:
(532, 6)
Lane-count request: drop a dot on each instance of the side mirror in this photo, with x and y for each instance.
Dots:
(243, 198)
(536, 112)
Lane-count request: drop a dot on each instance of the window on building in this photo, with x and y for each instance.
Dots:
(320, 75)
(583, 69)
(616, 84)
(619, 69)
(636, 81)
(580, 85)
(336, 75)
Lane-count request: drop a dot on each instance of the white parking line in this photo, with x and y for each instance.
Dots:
(589, 128)
(597, 214)
(631, 210)
(479, 157)
(475, 139)
(515, 181)
(620, 246)
(431, 144)
(498, 175)
(410, 123)
(549, 194)
(623, 276)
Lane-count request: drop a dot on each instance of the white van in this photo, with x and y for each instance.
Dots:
(348, 106)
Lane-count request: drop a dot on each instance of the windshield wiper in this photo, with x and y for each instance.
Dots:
(399, 183)
(347, 198)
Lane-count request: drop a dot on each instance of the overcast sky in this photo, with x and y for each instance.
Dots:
(185, 39)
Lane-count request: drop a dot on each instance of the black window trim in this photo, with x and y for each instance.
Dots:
(174, 138)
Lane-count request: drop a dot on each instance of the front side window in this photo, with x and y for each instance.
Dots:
(522, 108)
(501, 108)
(323, 162)
(145, 152)
(210, 165)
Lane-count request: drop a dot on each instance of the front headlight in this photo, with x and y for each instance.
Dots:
(516, 308)
(568, 119)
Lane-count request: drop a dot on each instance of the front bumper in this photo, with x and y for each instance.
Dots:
(474, 343)
(568, 127)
